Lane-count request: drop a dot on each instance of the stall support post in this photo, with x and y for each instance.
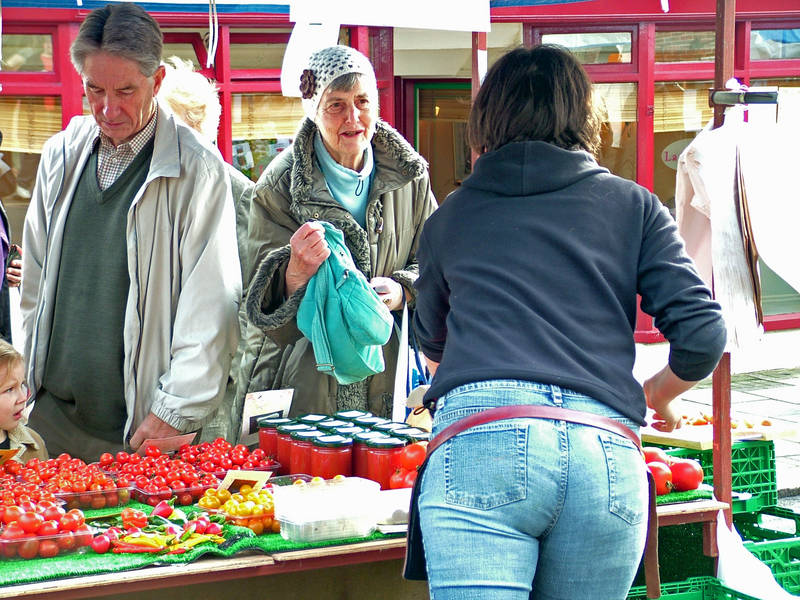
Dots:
(721, 381)
(721, 406)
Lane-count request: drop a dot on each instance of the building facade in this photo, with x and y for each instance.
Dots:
(652, 70)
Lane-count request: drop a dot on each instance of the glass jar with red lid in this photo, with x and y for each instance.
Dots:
(382, 458)
(268, 434)
(360, 451)
(284, 443)
(331, 455)
(300, 450)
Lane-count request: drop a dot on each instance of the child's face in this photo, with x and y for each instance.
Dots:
(13, 395)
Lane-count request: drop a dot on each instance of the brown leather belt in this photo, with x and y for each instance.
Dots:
(554, 413)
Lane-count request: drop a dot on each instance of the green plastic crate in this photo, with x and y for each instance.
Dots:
(695, 588)
(752, 471)
(776, 548)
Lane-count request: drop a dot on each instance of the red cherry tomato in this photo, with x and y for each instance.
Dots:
(687, 474)
(28, 548)
(101, 544)
(83, 536)
(66, 540)
(48, 528)
(48, 548)
(106, 458)
(662, 476)
(31, 521)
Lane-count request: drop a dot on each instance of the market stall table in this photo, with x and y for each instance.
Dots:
(207, 570)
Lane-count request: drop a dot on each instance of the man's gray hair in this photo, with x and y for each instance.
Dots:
(125, 30)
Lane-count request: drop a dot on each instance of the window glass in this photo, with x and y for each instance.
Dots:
(594, 48)
(616, 104)
(26, 122)
(263, 125)
(768, 44)
(441, 135)
(681, 111)
(684, 46)
(23, 52)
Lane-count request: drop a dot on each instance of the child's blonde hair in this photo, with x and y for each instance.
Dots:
(8, 357)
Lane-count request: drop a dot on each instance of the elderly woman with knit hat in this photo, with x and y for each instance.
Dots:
(349, 168)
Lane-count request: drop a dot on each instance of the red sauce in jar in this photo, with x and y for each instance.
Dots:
(381, 461)
(331, 455)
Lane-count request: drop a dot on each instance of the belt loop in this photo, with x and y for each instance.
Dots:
(558, 400)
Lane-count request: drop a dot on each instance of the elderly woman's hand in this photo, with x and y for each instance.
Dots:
(389, 291)
(309, 251)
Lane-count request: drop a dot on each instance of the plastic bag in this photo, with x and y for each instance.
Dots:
(740, 570)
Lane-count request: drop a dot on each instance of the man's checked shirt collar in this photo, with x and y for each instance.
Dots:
(112, 162)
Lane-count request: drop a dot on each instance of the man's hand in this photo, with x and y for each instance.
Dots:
(151, 428)
(14, 270)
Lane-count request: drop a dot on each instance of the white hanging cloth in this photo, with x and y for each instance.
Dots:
(708, 222)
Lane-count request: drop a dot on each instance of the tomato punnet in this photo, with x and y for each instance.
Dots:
(653, 454)
(662, 476)
(28, 548)
(687, 474)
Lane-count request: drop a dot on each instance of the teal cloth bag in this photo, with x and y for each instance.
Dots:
(343, 316)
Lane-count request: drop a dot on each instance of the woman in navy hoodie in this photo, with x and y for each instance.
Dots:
(529, 276)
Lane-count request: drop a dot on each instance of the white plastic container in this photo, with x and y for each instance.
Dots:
(327, 510)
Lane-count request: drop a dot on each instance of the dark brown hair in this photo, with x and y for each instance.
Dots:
(540, 93)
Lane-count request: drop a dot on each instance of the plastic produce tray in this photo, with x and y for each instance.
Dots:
(696, 588)
(752, 468)
(776, 548)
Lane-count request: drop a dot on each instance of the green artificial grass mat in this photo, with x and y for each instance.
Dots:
(86, 562)
(674, 497)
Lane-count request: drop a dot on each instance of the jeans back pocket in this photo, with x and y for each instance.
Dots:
(486, 467)
(627, 484)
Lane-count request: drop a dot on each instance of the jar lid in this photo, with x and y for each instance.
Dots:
(311, 419)
(332, 441)
(350, 415)
(413, 434)
(389, 426)
(272, 422)
(293, 426)
(329, 424)
(386, 442)
(306, 434)
(369, 434)
(348, 430)
(370, 421)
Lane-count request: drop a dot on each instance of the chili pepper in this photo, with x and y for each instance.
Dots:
(133, 549)
(162, 509)
(187, 533)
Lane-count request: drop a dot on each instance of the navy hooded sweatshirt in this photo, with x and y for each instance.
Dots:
(531, 269)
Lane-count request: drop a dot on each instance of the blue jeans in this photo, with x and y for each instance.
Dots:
(531, 504)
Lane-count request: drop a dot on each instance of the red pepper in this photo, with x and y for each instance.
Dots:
(162, 509)
(132, 517)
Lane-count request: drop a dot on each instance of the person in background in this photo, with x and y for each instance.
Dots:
(8, 179)
(527, 295)
(349, 168)
(131, 277)
(194, 99)
(14, 434)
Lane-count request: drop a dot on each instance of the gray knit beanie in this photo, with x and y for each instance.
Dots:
(326, 65)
